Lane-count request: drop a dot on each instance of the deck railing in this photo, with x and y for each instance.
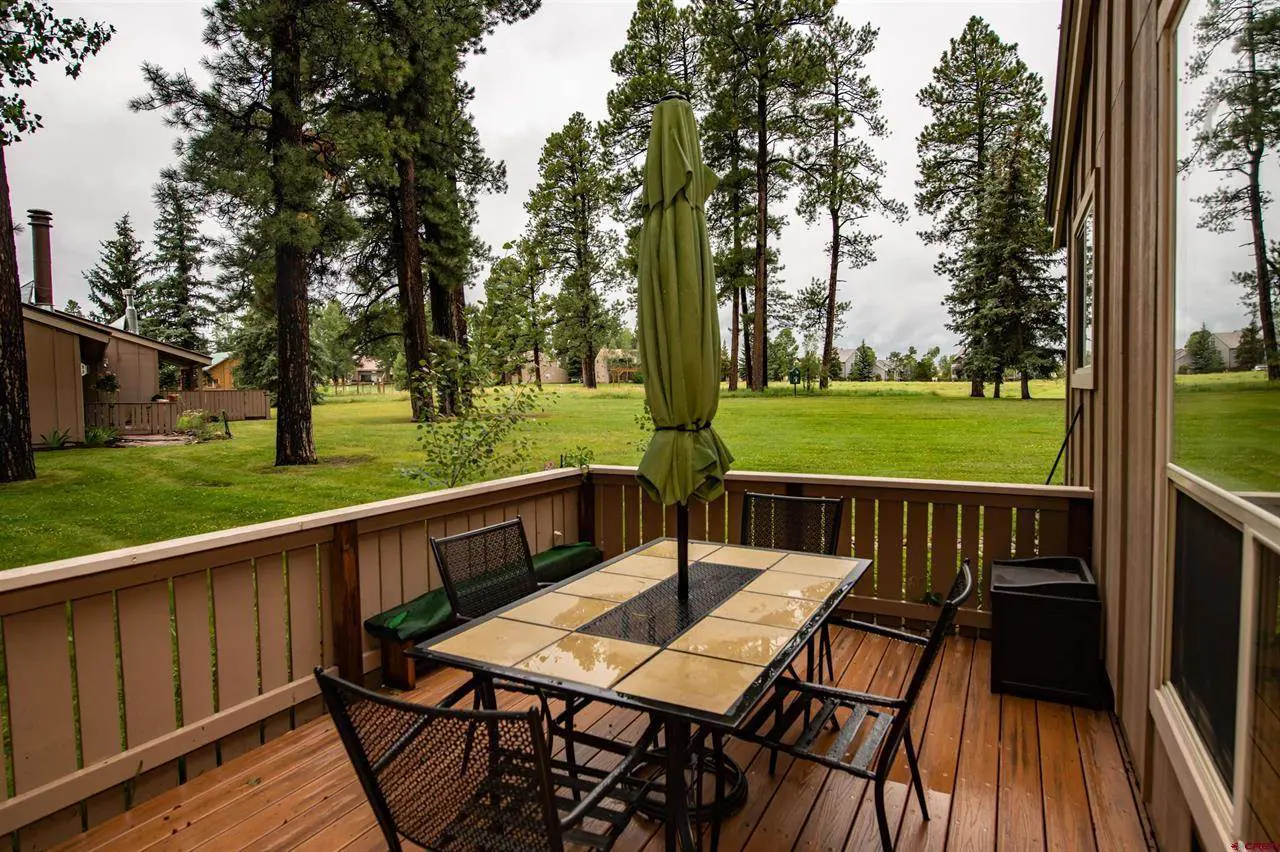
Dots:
(123, 674)
(238, 404)
(915, 530)
(134, 418)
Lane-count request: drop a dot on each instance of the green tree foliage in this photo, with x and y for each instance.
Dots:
(926, 366)
(841, 178)
(784, 352)
(73, 307)
(259, 137)
(31, 35)
(179, 292)
(1235, 130)
(333, 340)
(253, 344)
(1250, 351)
(864, 363)
(514, 319)
(1203, 355)
(1008, 301)
(123, 264)
(806, 311)
(981, 94)
(764, 50)
(567, 209)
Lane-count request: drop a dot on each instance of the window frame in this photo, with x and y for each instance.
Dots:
(1082, 375)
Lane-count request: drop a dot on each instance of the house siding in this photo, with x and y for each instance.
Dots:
(55, 388)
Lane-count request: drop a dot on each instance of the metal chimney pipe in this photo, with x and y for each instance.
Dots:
(42, 255)
(130, 312)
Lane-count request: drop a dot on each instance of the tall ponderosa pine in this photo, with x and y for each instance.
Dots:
(30, 35)
(840, 175)
(180, 293)
(768, 45)
(1236, 127)
(516, 309)
(1008, 303)
(567, 209)
(981, 94)
(259, 138)
(123, 264)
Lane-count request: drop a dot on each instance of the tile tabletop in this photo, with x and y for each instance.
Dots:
(556, 609)
(788, 585)
(747, 557)
(690, 680)
(834, 567)
(641, 565)
(608, 586)
(738, 641)
(499, 641)
(592, 660)
(766, 609)
(667, 549)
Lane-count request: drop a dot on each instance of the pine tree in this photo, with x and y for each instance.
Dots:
(768, 46)
(73, 307)
(980, 95)
(122, 265)
(180, 295)
(1203, 355)
(784, 351)
(259, 138)
(566, 209)
(514, 316)
(30, 35)
(841, 177)
(1250, 351)
(864, 363)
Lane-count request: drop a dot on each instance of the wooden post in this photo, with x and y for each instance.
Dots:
(587, 510)
(348, 641)
(1080, 530)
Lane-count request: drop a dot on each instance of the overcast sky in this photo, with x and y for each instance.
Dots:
(96, 160)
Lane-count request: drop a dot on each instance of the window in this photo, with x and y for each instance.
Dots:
(1206, 626)
(1084, 292)
(1262, 815)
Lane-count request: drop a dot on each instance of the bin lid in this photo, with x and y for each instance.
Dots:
(1065, 577)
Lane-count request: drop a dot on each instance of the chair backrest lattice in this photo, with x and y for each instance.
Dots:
(807, 524)
(485, 569)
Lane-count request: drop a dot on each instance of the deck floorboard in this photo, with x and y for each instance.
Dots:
(1000, 773)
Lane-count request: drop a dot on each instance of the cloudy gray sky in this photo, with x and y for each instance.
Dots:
(95, 160)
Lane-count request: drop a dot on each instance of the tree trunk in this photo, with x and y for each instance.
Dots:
(996, 381)
(1026, 386)
(975, 388)
(733, 345)
(413, 308)
(537, 365)
(589, 368)
(294, 442)
(759, 374)
(748, 364)
(458, 321)
(16, 459)
(1262, 273)
(442, 327)
(829, 335)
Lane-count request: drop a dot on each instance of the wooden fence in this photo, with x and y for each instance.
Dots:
(134, 418)
(916, 531)
(126, 673)
(239, 404)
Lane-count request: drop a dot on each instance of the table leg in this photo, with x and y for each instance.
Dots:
(679, 834)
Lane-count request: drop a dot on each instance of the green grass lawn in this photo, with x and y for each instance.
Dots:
(1227, 429)
(88, 500)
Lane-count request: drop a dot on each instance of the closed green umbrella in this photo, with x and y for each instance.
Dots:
(679, 323)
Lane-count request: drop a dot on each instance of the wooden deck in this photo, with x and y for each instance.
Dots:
(1001, 773)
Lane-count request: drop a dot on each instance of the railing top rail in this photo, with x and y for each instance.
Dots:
(15, 579)
(1009, 489)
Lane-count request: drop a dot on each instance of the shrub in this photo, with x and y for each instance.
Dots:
(106, 382)
(101, 436)
(196, 424)
(57, 439)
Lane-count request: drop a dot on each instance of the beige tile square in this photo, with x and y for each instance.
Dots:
(689, 680)
(586, 659)
(738, 641)
(832, 567)
(778, 582)
(557, 610)
(499, 641)
(667, 549)
(766, 609)
(640, 565)
(608, 586)
(746, 557)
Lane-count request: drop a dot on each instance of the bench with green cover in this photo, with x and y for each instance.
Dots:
(426, 615)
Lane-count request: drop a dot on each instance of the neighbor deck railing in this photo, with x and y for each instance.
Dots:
(239, 404)
(134, 418)
(123, 674)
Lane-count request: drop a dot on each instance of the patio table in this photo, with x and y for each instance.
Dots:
(619, 634)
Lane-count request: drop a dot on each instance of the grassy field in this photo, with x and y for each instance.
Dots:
(1227, 429)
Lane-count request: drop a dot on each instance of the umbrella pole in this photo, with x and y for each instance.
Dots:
(682, 550)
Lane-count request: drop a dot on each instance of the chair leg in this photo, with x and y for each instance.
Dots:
(826, 653)
(569, 756)
(717, 744)
(886, 837)
(915, 773)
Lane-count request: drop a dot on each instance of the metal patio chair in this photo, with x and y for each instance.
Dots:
(458, 780)
(869, 728)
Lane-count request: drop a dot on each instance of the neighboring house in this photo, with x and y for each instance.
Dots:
(1226, 342)
(849, 359)
(221, 373)
(552, 372)
(612, 365)
(368, 371)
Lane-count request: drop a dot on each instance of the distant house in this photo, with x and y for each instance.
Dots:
(612, 365)
(221, 373)
(849, 360)
(368, 371)
(1226, 342)
(551, 371)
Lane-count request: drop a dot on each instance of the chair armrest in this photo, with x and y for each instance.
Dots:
(637, 753)
(840, 694)
(888, 632)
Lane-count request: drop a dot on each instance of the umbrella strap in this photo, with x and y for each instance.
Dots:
(697, 428)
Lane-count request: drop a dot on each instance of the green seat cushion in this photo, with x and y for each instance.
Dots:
(565, 560)
(420, 618)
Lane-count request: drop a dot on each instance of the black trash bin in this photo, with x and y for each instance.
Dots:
(1046, 626)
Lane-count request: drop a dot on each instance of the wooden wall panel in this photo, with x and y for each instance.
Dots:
(53, 381)
(39, 679)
